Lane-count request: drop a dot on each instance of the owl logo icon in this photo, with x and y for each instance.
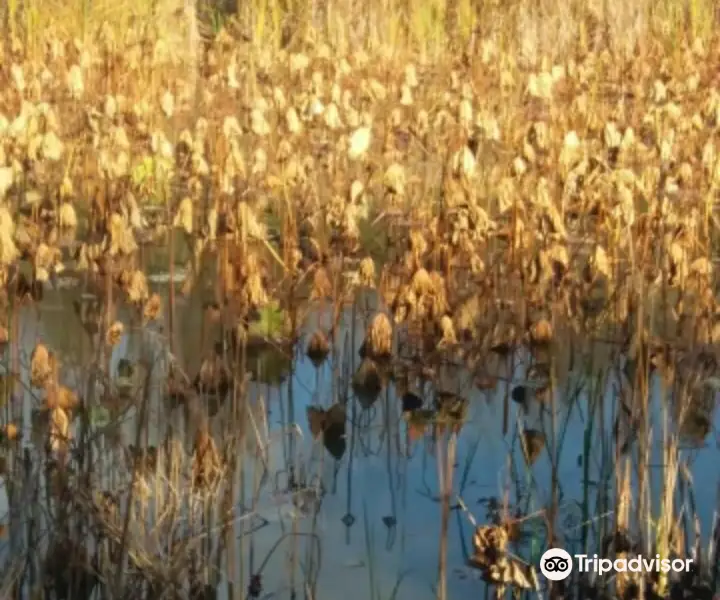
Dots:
(556, 564)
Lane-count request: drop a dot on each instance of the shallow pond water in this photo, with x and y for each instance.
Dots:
(379, 518)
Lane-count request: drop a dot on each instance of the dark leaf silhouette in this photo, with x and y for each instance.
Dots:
(411, 402)
(519, 394)
(318, 348)
(389, 521)
(331, 425)
(367, 382)
(335, 443)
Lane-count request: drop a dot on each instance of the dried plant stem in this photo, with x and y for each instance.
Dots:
(446, 468)
(122, 552)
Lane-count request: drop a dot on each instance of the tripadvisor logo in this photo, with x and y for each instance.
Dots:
(556, 564)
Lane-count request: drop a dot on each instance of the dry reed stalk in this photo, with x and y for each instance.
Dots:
(666, 521)
(118, 580)
(623, 503)
(445, 480)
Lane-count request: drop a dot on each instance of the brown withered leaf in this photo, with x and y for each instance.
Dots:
(496, 566)
(114, 333)
(9, 433)
(206, 463)
(59, 430)
(42, 366)
(152, 308)
(533, 443)
(28, 291)
(60, 396)
(7, 386)
(541, 332)
(318, 348)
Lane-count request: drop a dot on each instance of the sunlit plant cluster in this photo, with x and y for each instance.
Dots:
(479, 193)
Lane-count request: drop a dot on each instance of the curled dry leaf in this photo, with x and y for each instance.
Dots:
(9, 433)
(152, 308)
(7, 177)
(206, 464)
(447, 331)
(52, 148)
(533, 443)
(356, 191)
(541, 332)
(394, 179)
(701, 267)
(67, 218)
(258, 123)
(61, 396)
(367, 382)
(421, 283)
(184, 216)
(167, 103)
(75, 83)
(134, 283)
(318, 348)
(359, 143)
(9, 252)
(114, 333)
(46, 261)
(496, 565)
(41, 366)
(366, 272)
(122, 238)
(59, 433)
(599, 263)
(540, 85)
(378, 338)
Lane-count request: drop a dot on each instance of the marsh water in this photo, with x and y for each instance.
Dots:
(378, 520)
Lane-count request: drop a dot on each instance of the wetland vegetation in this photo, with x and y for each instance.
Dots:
(376, 300)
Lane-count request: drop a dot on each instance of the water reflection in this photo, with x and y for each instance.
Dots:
(356, 469)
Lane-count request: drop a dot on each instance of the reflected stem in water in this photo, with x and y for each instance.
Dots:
(446, 451)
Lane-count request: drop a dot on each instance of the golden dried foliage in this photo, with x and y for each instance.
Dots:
(43, 368)
(366, 272)
(61, 396)
(114, 333)
(206, 463)
(152, 309)
(379, 336)
(497, 567)
(10, 433)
